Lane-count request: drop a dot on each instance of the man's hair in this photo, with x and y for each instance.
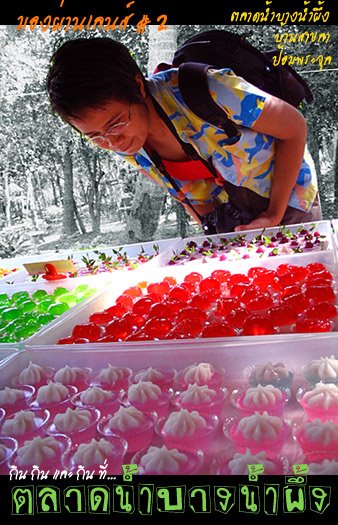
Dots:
(87, 73)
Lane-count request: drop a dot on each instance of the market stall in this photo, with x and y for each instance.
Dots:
(217, 353)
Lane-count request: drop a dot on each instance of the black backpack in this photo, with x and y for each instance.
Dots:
(222, 49)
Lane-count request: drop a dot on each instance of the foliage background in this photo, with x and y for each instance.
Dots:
(60, 192)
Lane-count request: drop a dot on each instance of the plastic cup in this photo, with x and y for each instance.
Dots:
(271, 447)
(201, 439)
(137, 438)
(114, 461)
(192, 466)
(41, 417)
(274, 409)
(78, 436)
(9, 445)
(20, 404)
(215, 406)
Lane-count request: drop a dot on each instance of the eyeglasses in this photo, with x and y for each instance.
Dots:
(114, 130)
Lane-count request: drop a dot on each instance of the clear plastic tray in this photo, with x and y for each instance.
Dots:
(98, 282)
(326, 255)
(63, 328)
(132, 250)
(234, 359)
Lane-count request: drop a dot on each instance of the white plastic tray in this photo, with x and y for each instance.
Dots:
(132, 250)
(326, 256)
(63, 327)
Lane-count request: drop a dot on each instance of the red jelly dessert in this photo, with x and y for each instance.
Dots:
(305, 325)
(90, 331)
(258, 325)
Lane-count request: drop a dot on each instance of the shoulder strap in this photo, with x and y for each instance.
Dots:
(193, 84)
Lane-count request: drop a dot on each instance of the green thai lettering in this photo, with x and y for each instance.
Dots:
(199, 499)
(23, 500)
(271, 496)
(294, 499)
(75, 499)
(166, 496)
(145, 499)
(319, 498)
(48, 499)
(250, 502)
(98, 500)
(224, 499)
(126, 498)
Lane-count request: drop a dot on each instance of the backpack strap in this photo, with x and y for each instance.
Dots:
(193, 85)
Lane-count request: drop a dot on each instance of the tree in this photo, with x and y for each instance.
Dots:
(146, 208)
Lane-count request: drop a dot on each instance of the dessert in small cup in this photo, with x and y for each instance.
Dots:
(327, 467)
(257, 432)
(162, 377)
(201, 398)
(202, 374)
(15, 399)
(318, 439)
(260, 398)
(324, 369)
(54, 397)
(320, 402)
(238, 464)
(96, 454)
(275, 374)
(165, 461)
(73, 375)
(25, 424)
(79, 424)
(8, 447)
(131, 424)
(187, 430)
(113, 378)
(147, 397)
(34, 375)
(44, 452)
(96, 397)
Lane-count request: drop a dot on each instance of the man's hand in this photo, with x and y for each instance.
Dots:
(264, 220)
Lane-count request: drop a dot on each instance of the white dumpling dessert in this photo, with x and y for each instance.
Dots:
(69, 375)
(37, 451)
(184, 423)
(150, 374)
(112, 374)
(322, 369)
(9, 396)
(269, 373)
(328, 467)
(73, 420)
(52, 393)
(262, 396)
(196, 394)
(21, 423)
(93, 453)
(260, 427)
(201, 373)
(126, 419)
(33, 374)
(161, 460)
(95, 395)
(321, 433)
(238, 465)
(324, 395)
(144, 391)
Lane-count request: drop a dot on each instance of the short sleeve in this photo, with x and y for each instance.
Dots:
(242, 101)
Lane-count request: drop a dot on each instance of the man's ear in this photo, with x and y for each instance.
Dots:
(140, 83)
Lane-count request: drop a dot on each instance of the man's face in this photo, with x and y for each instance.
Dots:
(117, 126)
